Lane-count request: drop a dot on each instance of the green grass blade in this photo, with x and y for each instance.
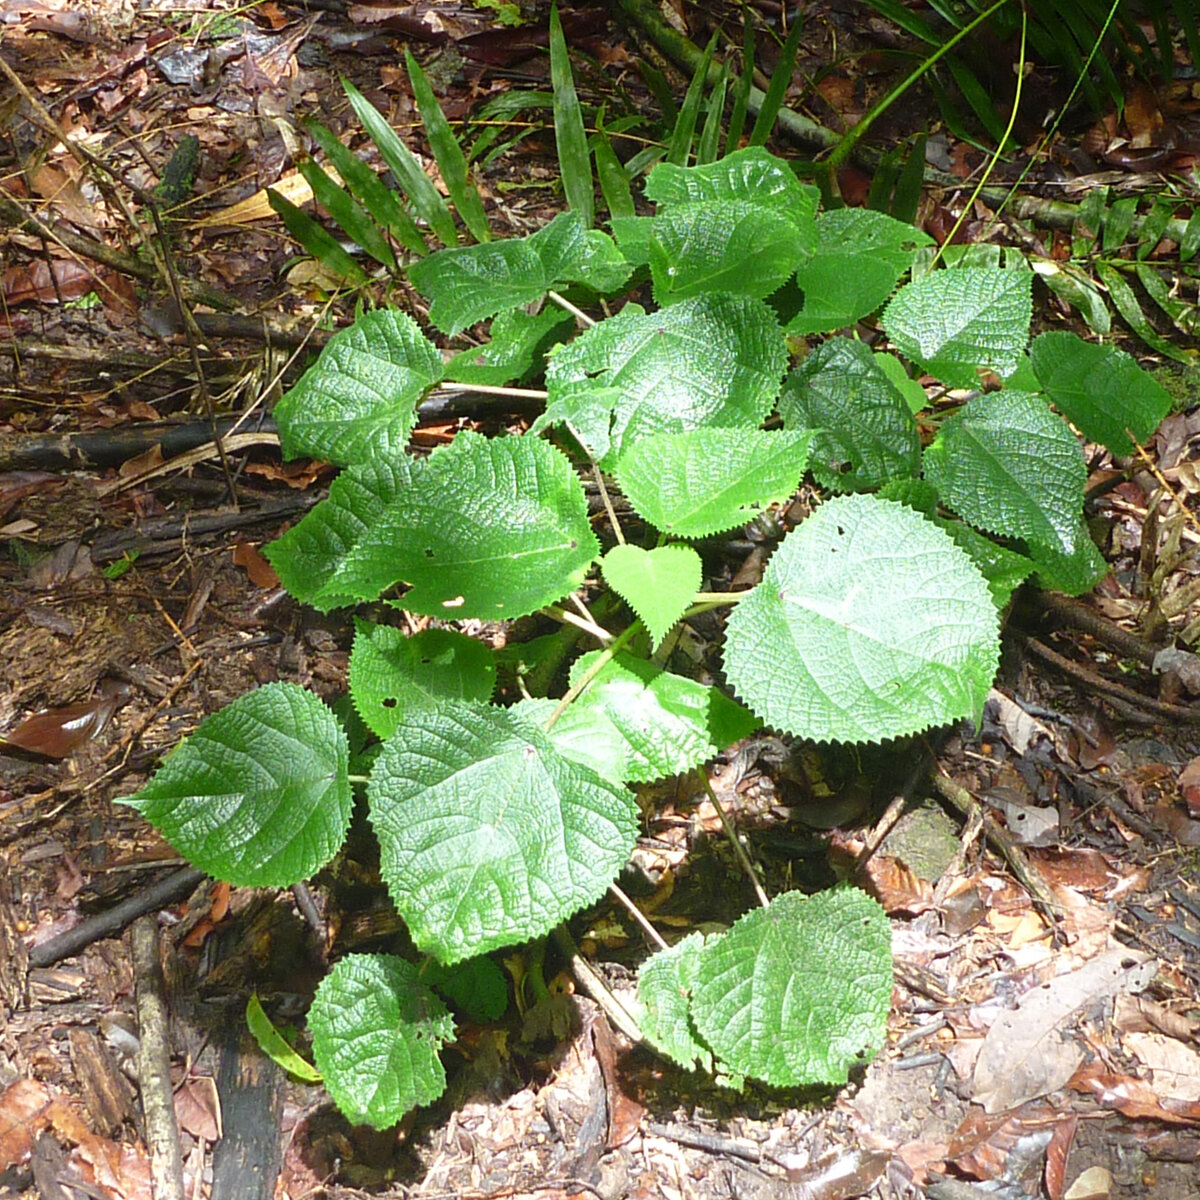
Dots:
(322, 245)
(418, 187)
(447, 153)
(975, 94)
(614, 182)
(1125, 301)
(781, 77)
(907, 197)
(895, 12)
(494, 117)
(879, 197)
(369, 190)
(710, 135)
(661, 90)
(574, 162)
(348, 214)
(1189, 244)
(680, 145)
(1187, 18)
(741, 89)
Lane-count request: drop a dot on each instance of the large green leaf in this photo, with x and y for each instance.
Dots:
(258, 795)
(797, 993)
(1007, 464)
(664, 993)
(485, 527)
(954, 322)
(391, 673)
(359, 399)
(1100, 389)
(859, 259)
(709, 480)
(517, 344)
(466, 284)
(712, 361)
(657, 584)
(869, 623)
(488, 836)
(865, 432)
(637, 723)
(750, 174)
(377, 1029)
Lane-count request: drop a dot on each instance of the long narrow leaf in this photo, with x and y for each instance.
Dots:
(317, 241)
(370, 191)
(781, 78)
(907, 197)
(574, 163)
(447, 153)
(348, 214)
(496, 114)
(1125, 301)
(1187, 18)
(418, 187)
(661, 90)
(614, 183)
(680, 145)
(741, 90)
(976, 95)
(895, 12)
(710, 136)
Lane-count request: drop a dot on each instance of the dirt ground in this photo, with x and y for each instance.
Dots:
(134, 602)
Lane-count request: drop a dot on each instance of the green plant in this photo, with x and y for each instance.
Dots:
(876, 618)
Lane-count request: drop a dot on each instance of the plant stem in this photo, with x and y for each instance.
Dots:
(596, 988)
(483, 390)
(358, 779)
(606, 656)
(738, 849)
(639, 916)
(585, 622)
(578, 313)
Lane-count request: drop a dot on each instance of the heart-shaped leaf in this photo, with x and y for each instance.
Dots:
(657, 584)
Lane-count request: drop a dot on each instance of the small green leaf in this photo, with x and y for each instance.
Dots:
(1100, 389)
(865, 432)
(273, 1044)
(392, 674)
(664, 992)
(574, 161)
(447, 152)
(475, 987)
(869, 623)
(1005, 570)
(712, 361)
(1076, 289)
(426, 199)
(348, 213)
(859, 258)
(709, 480)
(484, 527)
(471, 283)
(657, 584)
(376, 1031)
(488, 836)
(258, 795)
(1007, 464)
(1074, 573)
(516, 349)
(638, 723)
(359, 399)
(955, 322)
(797, 993)
(322, 245)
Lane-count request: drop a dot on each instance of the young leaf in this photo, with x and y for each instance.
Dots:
(484, 527)
(447, 152)
(1007, 464)
(319, 243)
(426, 199)
(518, 343)
(574, 162)
(954, 322)
(273, 1044)
(1100, 389)
(869, 623)
(859, 258)
(487, 835)
(709, 480)
(664, 724)
(348, 213)
(392, 674)
(799, 992)
(374, 195)
(258, 795)
(715, 361)
(664, 992)
(359, 399)
(657, 584)
(377, 1030)
(865, 432)
(472, 283)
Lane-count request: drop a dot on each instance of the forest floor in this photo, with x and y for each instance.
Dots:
(1052, 855)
